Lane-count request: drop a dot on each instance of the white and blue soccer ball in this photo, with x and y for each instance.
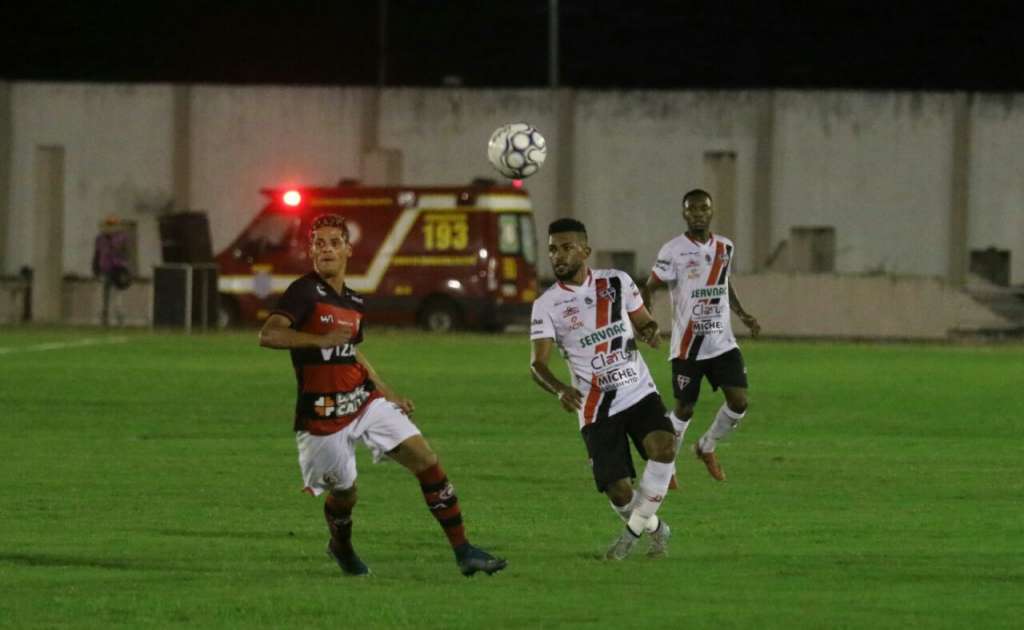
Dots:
(517, 150)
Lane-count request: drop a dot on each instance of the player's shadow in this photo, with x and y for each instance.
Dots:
(57, 560)
(223, 533)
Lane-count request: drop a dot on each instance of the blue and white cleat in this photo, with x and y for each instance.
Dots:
(349, 562)
(472, 559)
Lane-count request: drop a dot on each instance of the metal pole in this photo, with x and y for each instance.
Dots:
(553, 43)
(382, 43)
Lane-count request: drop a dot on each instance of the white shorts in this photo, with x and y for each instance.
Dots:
(329, 461)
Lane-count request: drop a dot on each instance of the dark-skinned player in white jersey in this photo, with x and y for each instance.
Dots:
(695, 268)
(594, 317)
(342, 401)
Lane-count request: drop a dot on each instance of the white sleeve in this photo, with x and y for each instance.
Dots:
(541, 326)
(632, 298)
(664, 268)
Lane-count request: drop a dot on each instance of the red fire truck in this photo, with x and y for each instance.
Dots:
(440, 257)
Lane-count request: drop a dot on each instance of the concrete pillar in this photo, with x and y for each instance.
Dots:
(565, 135)
(181, 147)
(48, 234)
(763, 173)
(720, 181)
(959, 198)
(6, 141)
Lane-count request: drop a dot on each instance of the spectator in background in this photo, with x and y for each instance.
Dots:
(110, 263)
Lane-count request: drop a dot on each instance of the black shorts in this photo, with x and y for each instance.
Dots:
(607, 443)
(725, 370)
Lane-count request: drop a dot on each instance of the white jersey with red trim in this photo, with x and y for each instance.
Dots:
(591, 325)
(697, 275)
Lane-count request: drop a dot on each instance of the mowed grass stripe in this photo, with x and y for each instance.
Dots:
(155, 483)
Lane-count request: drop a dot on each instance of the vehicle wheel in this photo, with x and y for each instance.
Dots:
(440, 315)
(227, 312)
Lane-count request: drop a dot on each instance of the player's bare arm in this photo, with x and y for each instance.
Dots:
(653, 284)
(278, 334)
(748, 320)
(403, 403)
(645, 326)
(569, 397)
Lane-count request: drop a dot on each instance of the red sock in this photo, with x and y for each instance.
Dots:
(443, 504)
(339, 520)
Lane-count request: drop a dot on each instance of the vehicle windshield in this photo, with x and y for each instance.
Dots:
(271, 230)
(508, 234)
(516, 236)
(528, 238)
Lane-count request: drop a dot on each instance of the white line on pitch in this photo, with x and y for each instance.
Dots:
(63, 345)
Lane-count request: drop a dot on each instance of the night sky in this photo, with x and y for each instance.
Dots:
(604, 44)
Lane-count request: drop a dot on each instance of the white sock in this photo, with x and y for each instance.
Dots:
(725, 421)
(648, 497)
(679, 427)
(623, 510)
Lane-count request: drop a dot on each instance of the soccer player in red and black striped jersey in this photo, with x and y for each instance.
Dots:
(695, 267)
(594, 317)
(341, 400)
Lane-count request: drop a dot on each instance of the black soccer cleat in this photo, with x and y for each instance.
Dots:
(349, 562)
(472, 559)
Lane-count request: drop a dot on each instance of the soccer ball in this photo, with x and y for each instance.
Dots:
(516, 150)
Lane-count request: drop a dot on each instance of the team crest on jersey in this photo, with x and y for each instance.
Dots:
(607, 293)
(682, 381)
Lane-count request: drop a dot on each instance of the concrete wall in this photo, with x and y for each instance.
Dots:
(638, 152)
(247, 138)
(443, 136)
(117, 142)
(877, 166)
(996, 178)
(854, 307)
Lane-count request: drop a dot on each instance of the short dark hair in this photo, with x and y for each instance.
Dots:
(697, 192)
(566, 225)
(329, 220)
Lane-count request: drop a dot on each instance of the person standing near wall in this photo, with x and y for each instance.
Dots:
(110, 264)
(694, 267)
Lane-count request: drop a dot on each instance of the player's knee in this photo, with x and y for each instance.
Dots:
(737, 403)
(620, 492)
(414, 454)
(661, 446)
(424, 459)
(684, 411)
(344, 498)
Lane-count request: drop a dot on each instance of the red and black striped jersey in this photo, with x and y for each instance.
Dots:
(591, 325)
(333, 387)
(697, 275)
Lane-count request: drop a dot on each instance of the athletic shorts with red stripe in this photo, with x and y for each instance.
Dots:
(607, 439)
(725, 370)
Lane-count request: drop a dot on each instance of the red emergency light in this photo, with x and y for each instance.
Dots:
(292, 198)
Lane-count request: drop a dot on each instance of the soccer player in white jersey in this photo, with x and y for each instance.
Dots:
(594, 316)
(694, 267)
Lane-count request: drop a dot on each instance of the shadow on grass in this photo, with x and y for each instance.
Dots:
(55, 560)
(225, 534)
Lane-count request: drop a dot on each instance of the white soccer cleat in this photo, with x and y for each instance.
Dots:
(622, 546)
(659, 541)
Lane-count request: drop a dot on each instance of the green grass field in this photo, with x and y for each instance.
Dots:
(153, 482)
